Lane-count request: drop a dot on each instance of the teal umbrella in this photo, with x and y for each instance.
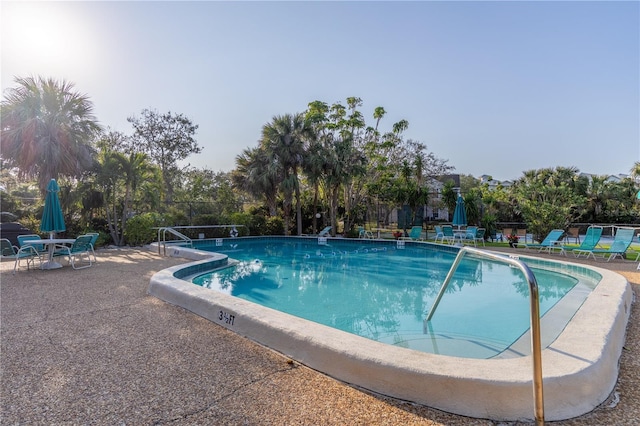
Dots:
(52, 218)
(460, 213)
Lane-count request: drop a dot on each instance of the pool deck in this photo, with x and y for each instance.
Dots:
(91, 346)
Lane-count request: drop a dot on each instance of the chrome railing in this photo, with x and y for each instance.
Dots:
(162, 239)
(536, 350)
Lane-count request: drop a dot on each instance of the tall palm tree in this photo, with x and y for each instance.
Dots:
(596, 196)
(47, 129)
(284, 139)
(254, 175)
(313, 168)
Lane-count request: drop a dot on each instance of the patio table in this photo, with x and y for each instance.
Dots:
(50, 243)
(459, 234)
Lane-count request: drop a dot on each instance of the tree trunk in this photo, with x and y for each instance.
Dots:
(315, 209)
(334, 209)
(112, 222)
(286, 207)
(298, 210)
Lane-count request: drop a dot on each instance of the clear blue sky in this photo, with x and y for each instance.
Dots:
(493, 87)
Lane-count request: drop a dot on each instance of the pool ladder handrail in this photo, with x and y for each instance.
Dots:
(162, 238)
(536, 350)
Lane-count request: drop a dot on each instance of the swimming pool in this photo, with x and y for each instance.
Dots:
(580, 366)
(383, 292)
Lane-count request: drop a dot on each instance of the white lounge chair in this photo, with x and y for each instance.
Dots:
(324, 232)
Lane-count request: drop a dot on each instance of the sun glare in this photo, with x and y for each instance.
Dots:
(44, 38)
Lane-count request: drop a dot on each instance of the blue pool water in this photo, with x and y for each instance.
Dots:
(381, 292)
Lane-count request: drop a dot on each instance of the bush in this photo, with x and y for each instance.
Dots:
(140, 228)
(242, 219)
(274, 226)
(258, 225)
(175, 217)
(352, 233)
(204, 220)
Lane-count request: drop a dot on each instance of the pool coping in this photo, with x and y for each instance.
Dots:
(580, 368)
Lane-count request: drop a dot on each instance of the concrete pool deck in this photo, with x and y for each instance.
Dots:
(90, 346)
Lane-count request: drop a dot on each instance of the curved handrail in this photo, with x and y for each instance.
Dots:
(162, 238)
(536, 350)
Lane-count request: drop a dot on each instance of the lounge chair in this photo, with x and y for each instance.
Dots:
(324, 232)
(479, 236)
(17, 254)
(474, 235)
(550, 242)
(363, 233)
(590, 242)
(439, 234)
(40, 248)
(94, 238)
(415, 234)
(448, 234)
(80, 248)
(8, 250)
(620, 245)
(470, 233)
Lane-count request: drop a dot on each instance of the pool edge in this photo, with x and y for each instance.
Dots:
(580, 367)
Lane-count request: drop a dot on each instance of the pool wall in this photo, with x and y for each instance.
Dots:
(580, 367)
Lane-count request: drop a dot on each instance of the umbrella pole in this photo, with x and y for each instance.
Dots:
(50, 264)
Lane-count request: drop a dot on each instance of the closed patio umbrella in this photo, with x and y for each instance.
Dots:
(460, 213)
(52, 218)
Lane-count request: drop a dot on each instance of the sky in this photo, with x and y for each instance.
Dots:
(494, 88)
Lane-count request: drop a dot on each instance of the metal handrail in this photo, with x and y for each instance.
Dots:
(162, 238)
(536, 350)
(206, 226)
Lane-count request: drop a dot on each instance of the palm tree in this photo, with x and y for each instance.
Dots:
(47, 130)
(284, 139)
(313, 168)
(449, 197)
(254, 175)
(596, 196)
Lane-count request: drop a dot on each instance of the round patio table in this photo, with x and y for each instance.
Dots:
(50, 243)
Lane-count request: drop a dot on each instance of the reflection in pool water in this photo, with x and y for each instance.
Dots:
(383, 293)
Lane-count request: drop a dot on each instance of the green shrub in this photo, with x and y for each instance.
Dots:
(204, 220)
(140, 228)
(258, 225)
(352, 233)
(245, 219)
(175, 217)
(274, 226)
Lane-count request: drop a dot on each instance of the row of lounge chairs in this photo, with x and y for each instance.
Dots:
(589, 247)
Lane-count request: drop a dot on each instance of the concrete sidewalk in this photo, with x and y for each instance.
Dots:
(91, 347)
